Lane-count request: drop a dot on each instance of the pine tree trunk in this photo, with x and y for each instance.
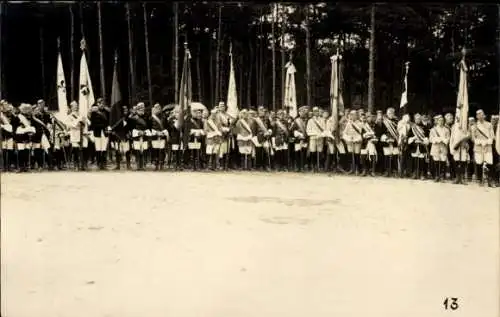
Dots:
(250, 75)
(176, 52)
(101, 52)
(240, 81)
(283, 61)
(146, 44)
(42, 63)
(308, 60)
(261, 63)
(371, 71)
(273, 47)
(1, 60)
(132, 91)
(72, 51)
(211, 71)
(198, 73)
(217, 57)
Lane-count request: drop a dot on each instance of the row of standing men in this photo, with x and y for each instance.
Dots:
(359, 143)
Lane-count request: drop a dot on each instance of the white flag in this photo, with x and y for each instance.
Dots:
(462, 112)
(86, 98)
(62, 100)
(290, 93)
(232, 97)
(404, 95)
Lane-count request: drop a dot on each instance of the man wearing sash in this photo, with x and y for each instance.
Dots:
(121, 131)
(99, 120)
(290, 141)
(389, 140)
(40, 139)
(427, 126)
(299, 132)
(141, 133)
(483, 136)
(404, 157)
(24, 134)
(224, 123)
(159, 136)
(496, 155)
(244, 138)
(343, 159)
(449, 120)
(353, 136)
(439, 138)
(330, 142)
(459, 148)
(368, 148)
(417, 144)
(42, 114)
(59, 139)
(174, 132)
(75, 122)
(8, 126)
(214, 139)
(262, 133)
(195, 130)
(315, 130)
(472, 173)
(280, 141)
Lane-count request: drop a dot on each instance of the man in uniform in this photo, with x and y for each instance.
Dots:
(389, 140)
(174, 131)
(24, 134)
(315, 130)
(262, 132)
(353, 137)
(213, 139)
(78, 135)
(141, 133)
(330, 142)
(9, 124)
(299, 132)
(195, 131)
(472, 169)
(224, 121)
(404, 158)
(343, 158)
(368, 148)
(244, 138)
(417, 145)
(121, 131)
(459, 148)
(280, 141)
(99, 125)
(439, 138)
(426, 125)
(483, 136)
(159, 136)
(40, 140)
(449, 120)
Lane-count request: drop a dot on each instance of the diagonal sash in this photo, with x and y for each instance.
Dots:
(300, 124)
(213, 125)
(391, 127)
(155, 118)
(281, 126)
(353, 125)
(246, 126)
(316, 123)
(141, 120)
(418, 132)
(261, 124)
(482, 132)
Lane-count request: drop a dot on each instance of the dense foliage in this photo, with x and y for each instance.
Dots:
(429, 36)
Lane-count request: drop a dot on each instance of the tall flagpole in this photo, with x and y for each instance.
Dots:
(308, 59)
(282, 56)
(101, 53)
(217, 57)
(130, 57)
(273, 48)
(42, 63)
(176, 52)
(146, 43)
(1, 48)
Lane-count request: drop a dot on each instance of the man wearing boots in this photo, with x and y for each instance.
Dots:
(299, 132)
(224, 122)
(24, 134)
(368, 148)
(330, 134)
(40, 140)
(213, 139)
(439, 138)
(78, 134)
(280, 141)
(449, 120)
(99, 121)
(262, 133)
(121, 132)
(459, 148)
(159, 136)
(174, 132)
(8, 127)
(194, 128)
(244, 138)
(141, 133)
(483, 136)
(417, 146)
(315, 130)
(389, 139)
(353, 137)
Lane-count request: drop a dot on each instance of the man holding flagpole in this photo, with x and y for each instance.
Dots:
(85, 101)
(483, 136)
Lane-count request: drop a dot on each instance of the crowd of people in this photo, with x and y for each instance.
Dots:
(358, 143)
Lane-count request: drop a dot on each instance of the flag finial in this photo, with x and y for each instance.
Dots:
(83, 45)
(230, 48)
(58, 43)
(407, 65)
(291, 55)
(116, 56)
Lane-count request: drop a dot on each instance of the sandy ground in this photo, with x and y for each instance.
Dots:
(245, 245)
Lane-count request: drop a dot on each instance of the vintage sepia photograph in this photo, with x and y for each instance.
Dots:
(249, 159)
